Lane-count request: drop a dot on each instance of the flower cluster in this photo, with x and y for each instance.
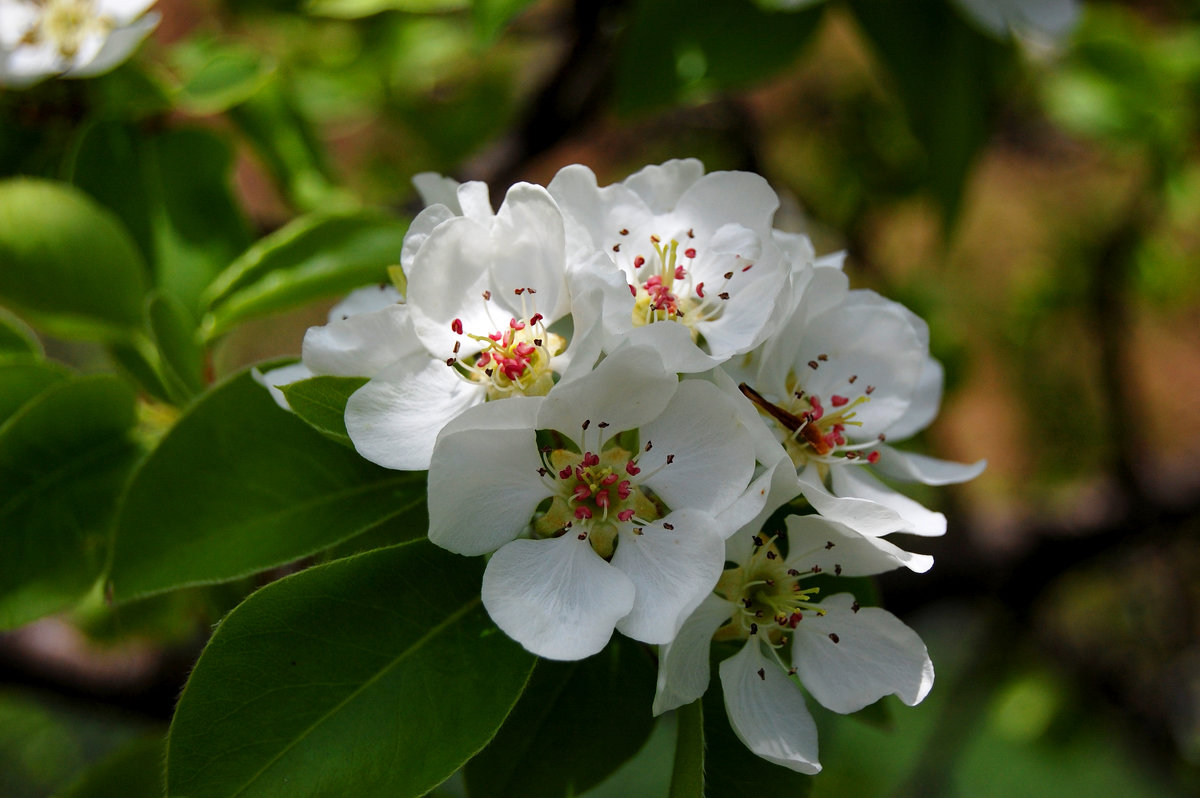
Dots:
(613, 388)
(72, 38)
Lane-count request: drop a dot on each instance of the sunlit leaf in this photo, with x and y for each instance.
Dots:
(321, 401)
(245, 486)
(375, 675)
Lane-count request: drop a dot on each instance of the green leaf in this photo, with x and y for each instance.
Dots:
(67, 262)
(948, 76)
(16, 337)
(314, 256)
(174, 333)
(676, 49)
(377, 675)
(687, 777)
(321, 401)
(356, 9)
(244, 486)
(593, 714)
(216, 75)
(730, 769)
(134, 771)
(492, 15)
(22, 377)
(172, 190)
(64, 458)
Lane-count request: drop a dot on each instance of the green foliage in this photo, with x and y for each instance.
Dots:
(355, 9)
(68, 262)
(174, 336)
(321, 401)
(64, 457)
(16, 337)
(568, 706)
(492, 15)
(948, 76)
(22, 377)
(171, 189)
(314, 256)
(134, 771)
(675, 50)
(215, 76)
(375, 675)
(687, 775)
(248, 487)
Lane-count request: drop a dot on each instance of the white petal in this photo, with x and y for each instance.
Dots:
(855, 481)
(474, 201)
(721, 198)
(555, 597)
(670, 339)
(672, 571)
(627, 389)
(875, 655)
(661, 186)
(683, 663)
(425, 223)
(864, 516)
(438, 190)
(395, 418)
(122, 12)
(529, 250)
(365, 300)
(839, 550)
(912, 467)
(116, 48)
(363, 345)
(923, 407)
(483, 482)
(713, 455)
(767, 712)
(446, 281)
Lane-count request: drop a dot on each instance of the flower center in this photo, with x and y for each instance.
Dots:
(768, 595)
(597, 496)
(512, 361)
(65, 24)
(665, 289)
(813, 432)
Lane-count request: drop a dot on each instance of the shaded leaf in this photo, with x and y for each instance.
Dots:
(134, 771)
(22, 377)
(321, 401)
(181, 357)
(15, 336)
(246, 486)
(217, 75)
(687, 776)
(375, 675)
(64, 458)
(570, 706)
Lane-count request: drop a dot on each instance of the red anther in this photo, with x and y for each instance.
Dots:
(624, 231)
(690, 252)
(655, 239)
(487, 295)
(631, 469)
(748, 267)
(581, 492)
(582, 513)
(639, 262)
(679, 272)
(456, 325)
(565, 473)
(625, 515)
(516, 325)
(632, 290)
(839, 439)
(838, 401)
(518, 291)
(535, 318)
(653, 282)
(830, 439)
(590, 460)
(496, 336)
(873, 458)
(623, 490)
(609, 479)
(602, 499)
(525, 350)
(795, 620)
(507, 339)
(700, 290)
(483, 359)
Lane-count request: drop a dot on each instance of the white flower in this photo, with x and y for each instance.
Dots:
(71, 38)
(606, 502)
(847, 371)
(690, 265)
(1041, 21)
(845, 655)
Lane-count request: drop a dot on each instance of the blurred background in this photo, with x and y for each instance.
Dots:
(1023, 175)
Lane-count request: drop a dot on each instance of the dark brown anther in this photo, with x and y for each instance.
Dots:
(828, 545)
(518, 291)
(487, 295)
(488, 372)
(530, 290)
(837, 570)
(537, 341)
(616, 247)
(649, 446)
(450, 361)
(758, 613)
(602, 424)
(771, 555)
(728, 275)
(757, 541)
(833, 636)
(583, 536)
(855, 607)
(853, 378)
(822, 357)
(882, 437)
(586, 422)
(870, 390)
(747, 603)
(668, 527)
(457, 346)
(543, 471)
(723, 295)
(762, 674)
(670, 459)
(816, 569)
(691, 232)
(637, 530)
(770, 582)
(812, 364)
(753, 628)
(624, 231)
(792, 671)
(793, 572)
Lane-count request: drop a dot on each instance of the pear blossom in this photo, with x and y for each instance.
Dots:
(71, 38)
(606, 502)
(690, 264)
(848, 371)
(845, 655)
